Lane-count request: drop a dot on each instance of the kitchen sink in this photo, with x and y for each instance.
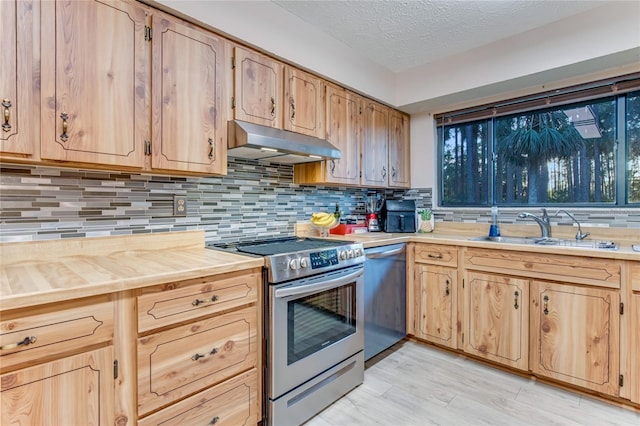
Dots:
(545, 241)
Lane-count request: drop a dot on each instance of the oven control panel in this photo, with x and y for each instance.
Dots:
(322, 259)
(312, 262)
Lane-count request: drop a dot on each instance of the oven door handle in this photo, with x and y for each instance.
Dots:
(306, 289)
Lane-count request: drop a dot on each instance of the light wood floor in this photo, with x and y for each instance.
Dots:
(414, 384)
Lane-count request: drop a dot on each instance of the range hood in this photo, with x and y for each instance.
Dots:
(248, 140)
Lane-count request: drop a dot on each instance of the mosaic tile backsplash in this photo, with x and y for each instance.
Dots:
(254, 200)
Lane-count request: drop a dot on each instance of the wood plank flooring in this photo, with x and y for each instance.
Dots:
(414, 384)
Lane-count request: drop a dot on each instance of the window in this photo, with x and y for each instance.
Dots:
(633, 147)
(563, 154)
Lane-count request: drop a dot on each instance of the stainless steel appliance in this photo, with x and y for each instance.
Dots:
(314, 331)
(384, 298)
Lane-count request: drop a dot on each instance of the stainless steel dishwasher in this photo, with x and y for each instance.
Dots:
(384, 298)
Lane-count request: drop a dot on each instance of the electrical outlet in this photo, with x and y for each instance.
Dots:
(179, 205)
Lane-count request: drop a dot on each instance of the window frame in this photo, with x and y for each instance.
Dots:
(570, 96)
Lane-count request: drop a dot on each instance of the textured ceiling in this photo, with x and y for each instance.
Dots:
(400, 35)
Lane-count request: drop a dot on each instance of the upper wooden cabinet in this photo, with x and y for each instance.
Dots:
(257, 88)
(95, 82)
(399, 151)
(375, 144)
(343, 131)
(303, 103)
(19, 40)
(190, 111)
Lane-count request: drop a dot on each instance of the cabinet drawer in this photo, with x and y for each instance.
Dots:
(570, 269)
(436, 254)
(185, 359)
(186, 300)
(42, 333)
(234, 402)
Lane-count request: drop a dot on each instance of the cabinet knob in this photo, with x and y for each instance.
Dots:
(210, 148)
(24, 342)
(6, 104)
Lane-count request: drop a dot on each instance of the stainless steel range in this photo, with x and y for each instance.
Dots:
(314, 315)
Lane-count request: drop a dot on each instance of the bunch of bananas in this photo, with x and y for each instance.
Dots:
(323, 219)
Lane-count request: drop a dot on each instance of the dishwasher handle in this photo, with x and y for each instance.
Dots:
(387, 253)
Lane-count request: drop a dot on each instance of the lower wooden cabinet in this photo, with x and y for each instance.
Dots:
(634, 347)
(231, 403)
(434, 296)
(76, 390)
(575, 335)
(185, 359)
(496, 318)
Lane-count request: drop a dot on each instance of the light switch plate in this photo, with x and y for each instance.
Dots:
(179, 205)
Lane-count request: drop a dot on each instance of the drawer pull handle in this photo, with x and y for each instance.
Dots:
(24, 342)
(210, 149)
(435, 256)
(6, 104)
(214, 420)
(293, 113)
(64, 136)
(446, 291)
(384, 172)
(546, 305)
(197, 302)
(515, 302)
(333, 166)
(198, 356)
(273, 106)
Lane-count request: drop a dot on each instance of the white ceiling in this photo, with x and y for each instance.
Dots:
(401, 35)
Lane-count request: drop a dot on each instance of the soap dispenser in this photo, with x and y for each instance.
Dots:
(494, 229)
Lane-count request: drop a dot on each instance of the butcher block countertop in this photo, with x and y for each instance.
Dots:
(38, 272)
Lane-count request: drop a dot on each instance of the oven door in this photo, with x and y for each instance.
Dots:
(315, 323)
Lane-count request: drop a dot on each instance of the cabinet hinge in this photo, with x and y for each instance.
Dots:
(115, 369)
(621, 380)
(148, 33)
(621, 308)
(147, 148)
(233, 102)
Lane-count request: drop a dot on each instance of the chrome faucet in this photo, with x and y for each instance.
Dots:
(543, 221)
(579, 235)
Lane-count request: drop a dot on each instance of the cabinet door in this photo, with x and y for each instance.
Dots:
(575, 335)
(634, 345)
(399, 151)
(95, 82)
(258, 89)
(497, 318)
(77, 390)
(190, 112)
(375, 144)
(18, 84)
(304, 103)
(434, 299)
(343, 131)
